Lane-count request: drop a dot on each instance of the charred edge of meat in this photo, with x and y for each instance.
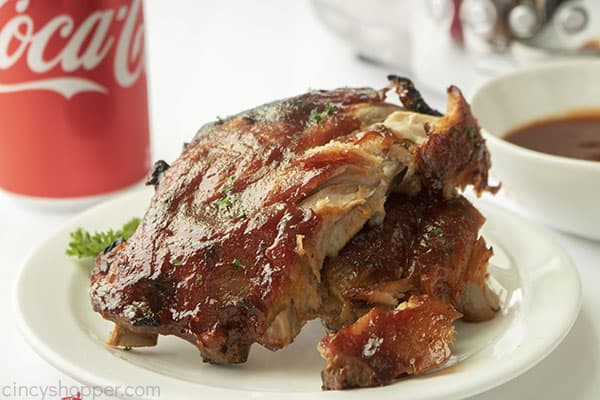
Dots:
(111, 246)
(105, 259)
(455, 155)
(409, 96)
(158, 169)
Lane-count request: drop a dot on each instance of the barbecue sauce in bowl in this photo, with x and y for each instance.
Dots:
(575, 135)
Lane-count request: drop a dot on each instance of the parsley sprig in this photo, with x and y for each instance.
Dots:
(84, 244)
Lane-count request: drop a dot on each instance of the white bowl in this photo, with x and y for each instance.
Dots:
(561, 192)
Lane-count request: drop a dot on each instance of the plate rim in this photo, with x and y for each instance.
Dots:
(86, 376)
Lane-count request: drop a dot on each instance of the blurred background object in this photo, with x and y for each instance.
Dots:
(464, 41)
(379, 30)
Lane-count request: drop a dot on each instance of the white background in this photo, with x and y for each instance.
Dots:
(217, 58)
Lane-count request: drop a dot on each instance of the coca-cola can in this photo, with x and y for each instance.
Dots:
(73, 97)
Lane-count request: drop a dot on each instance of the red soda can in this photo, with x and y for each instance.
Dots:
(73, 97)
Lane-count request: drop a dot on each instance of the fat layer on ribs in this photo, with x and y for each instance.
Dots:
(230, 249)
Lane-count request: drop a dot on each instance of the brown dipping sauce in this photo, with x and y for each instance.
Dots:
(575, 136)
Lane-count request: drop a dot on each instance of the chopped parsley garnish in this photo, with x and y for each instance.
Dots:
(223, 202)
(176, 261)
(436, 230)
(318, 116)
(226, 200)
(84, 244)
(238, 264)
(241, 215)
(229, 186)
(127, 348)
(199, 278)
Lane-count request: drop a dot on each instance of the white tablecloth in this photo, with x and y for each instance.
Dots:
(209, 58)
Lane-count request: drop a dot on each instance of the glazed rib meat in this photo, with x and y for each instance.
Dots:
(424, 246)
(385, 344)
(231, 248)
(448, 260)
(427, 251)
(370, 270)
(385, 263)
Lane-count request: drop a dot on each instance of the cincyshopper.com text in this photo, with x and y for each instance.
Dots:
(62, 391)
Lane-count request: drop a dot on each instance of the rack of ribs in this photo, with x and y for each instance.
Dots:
(401, 284)
(257, 228)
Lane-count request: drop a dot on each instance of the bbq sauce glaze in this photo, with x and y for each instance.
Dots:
(575, 135)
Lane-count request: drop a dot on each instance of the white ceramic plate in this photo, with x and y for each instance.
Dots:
(540, 300)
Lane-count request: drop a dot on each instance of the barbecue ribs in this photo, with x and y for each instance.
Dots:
(231, 249)
(424, 246)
